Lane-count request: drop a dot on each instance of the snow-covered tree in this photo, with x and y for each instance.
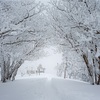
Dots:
(22, 34)
(77, 23)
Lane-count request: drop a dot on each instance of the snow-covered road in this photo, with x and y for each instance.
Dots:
(44, 89)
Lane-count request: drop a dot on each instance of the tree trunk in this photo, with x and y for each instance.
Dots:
(98, 82)
(9, 72)
(3, 73)
(3, 69)
(65, 72)
(95, 75)
(14, 72)
(89, 68)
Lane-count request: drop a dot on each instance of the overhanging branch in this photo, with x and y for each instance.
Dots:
(21, 41)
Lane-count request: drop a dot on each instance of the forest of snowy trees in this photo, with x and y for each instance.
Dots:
(26, 27)
(21, 28)
(77, 22)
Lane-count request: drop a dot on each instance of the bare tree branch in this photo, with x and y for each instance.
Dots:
(17, 42)
(6, 32)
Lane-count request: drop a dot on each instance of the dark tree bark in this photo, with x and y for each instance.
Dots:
(89, 68)
(65, 72)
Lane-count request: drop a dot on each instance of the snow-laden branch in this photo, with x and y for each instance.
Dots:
(17, 42)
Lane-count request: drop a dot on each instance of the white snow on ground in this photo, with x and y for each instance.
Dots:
(44, 89)
(42, 75)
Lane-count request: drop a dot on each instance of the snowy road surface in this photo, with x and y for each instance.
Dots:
(44, 89)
